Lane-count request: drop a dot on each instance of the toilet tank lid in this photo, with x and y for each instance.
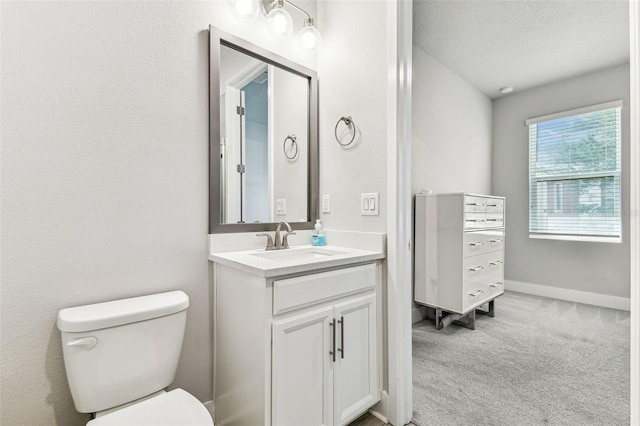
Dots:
(123, 311)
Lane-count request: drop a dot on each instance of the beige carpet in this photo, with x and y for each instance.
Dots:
(540, 361)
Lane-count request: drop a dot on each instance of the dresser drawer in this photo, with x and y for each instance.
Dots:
(474, 220)
(476, 267)
(494, 205)
(474, 204)
(480, 242)
(481, 291)
(494, 220)
(307, 290)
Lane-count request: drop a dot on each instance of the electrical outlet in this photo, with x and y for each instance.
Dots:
(281, 206)
(326, 203)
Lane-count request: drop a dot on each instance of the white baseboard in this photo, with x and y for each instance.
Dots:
(381, 409)
(606, 301)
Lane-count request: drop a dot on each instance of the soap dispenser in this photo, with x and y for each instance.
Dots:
(318, 238)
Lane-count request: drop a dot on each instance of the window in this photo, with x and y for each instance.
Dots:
(574, 174)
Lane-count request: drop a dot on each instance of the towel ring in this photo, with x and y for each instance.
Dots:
(349, 122)
(294, 144)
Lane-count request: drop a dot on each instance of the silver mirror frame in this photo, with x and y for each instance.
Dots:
(217, 38)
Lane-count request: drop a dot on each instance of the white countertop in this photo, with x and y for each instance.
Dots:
(252, 261)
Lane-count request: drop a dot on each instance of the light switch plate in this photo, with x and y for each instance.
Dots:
(369, 204)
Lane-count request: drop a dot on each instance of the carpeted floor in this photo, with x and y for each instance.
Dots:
(539, 361)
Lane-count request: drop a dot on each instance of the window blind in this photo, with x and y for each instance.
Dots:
(574, 173)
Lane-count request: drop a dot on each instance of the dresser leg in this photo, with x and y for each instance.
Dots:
(470, 322)
(467, 320)
(438, 319)
(491, 312)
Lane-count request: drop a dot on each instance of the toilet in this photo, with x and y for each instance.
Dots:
(121, 355)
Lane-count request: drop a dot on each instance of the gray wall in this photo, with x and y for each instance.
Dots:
(104, 177)
(601, 268)
(451, 124)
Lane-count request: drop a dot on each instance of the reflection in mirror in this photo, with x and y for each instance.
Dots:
(263, 139)
(260, 106)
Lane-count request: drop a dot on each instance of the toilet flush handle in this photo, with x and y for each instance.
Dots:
(87, 342)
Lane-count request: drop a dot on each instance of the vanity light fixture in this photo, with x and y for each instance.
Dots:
(279, 22)
(309, 37)
(245, 10)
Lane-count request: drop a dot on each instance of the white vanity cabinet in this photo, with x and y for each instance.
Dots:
(328, 354)
(459, 250)
(297, 349)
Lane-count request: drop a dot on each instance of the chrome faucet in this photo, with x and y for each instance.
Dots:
(275, 243)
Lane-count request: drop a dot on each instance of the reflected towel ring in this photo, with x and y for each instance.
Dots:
(349, 122)
(294, 144)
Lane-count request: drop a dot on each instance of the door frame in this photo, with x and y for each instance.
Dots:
(399, 283)
(634, 232)
(399, 208)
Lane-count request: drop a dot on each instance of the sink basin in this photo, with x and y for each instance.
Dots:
(293, 260)
(295, 254)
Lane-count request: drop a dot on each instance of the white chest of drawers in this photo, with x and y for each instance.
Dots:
(459, 250)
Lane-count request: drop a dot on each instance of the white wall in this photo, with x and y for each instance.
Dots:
(352, 73)
(104, 177)
(601, 268)
(451, 121)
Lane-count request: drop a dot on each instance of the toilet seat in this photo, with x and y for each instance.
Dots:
(173, 408)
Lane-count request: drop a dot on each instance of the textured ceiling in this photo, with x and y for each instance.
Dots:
(522, 43)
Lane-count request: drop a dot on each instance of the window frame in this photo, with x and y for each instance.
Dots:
(532, 152)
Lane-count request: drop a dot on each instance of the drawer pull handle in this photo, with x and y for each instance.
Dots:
(341, 322)
(478, 292)
(494, 205)
(495, 262)
(476, 268)
(332, 324)
(497, 240)
(496, 284)
(477, 243)
(474, 220)
(494, 220)
(475, 204)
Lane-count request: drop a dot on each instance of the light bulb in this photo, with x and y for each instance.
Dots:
(245, 10)
(309, 37)
(279, 23)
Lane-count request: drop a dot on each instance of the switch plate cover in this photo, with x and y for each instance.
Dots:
(369, 204)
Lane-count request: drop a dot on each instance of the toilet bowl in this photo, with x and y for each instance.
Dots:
(120, 356)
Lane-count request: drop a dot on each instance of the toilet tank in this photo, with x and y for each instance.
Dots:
(116, 352)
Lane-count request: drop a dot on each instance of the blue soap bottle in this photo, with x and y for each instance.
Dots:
(318, 238)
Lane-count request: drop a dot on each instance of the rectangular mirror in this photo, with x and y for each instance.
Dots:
(263, 140)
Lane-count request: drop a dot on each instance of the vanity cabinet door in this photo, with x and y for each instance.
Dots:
(355, 378)
(302, 375)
